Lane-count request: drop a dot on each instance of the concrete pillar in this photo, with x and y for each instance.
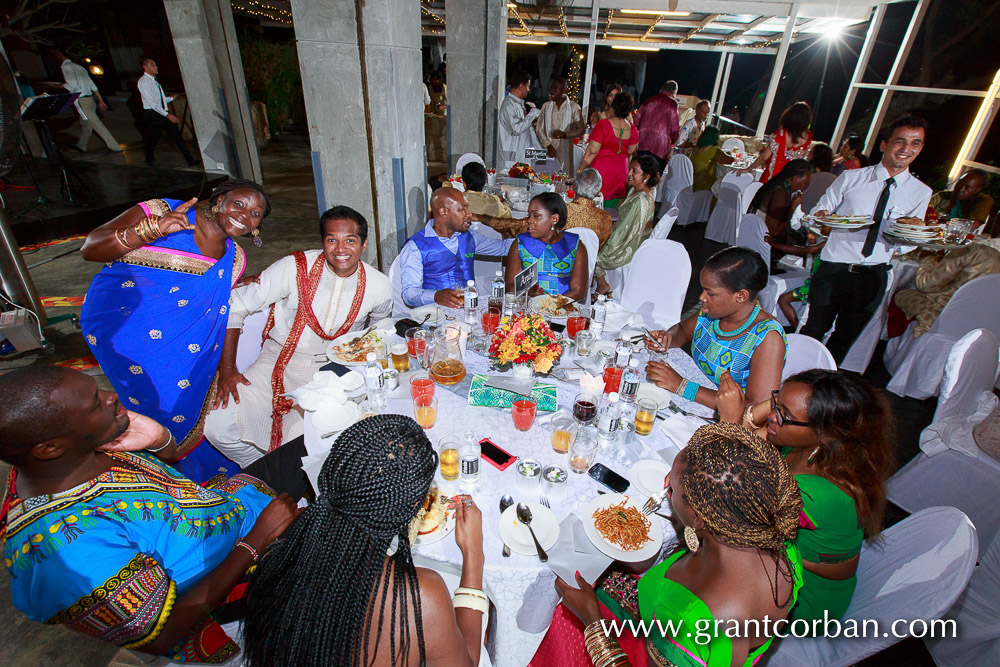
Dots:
(367, 147)
(208, 54)
(476, 43)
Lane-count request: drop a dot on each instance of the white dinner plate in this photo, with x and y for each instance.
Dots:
(602, 346)
(658, 395)
(517, 536)
(438, 315)
(385, 336)
(442, 531)
(647, 476)
(648, 550)
(536, 301)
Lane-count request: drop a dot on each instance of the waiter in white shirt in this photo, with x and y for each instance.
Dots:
(78, 81)
(516, 132)
(850, 283)
(156, 115)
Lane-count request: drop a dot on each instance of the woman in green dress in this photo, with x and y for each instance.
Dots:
(739, 506)
(704, 158)
(837, 436)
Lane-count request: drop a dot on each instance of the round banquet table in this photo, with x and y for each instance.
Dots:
(521, 587)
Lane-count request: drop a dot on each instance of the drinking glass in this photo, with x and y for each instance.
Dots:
(416, 343)
(381, 351)
(421, 384)
(645, 415)
(480, 340)
(585, 408)
(554, 481)
(491, 322)
(578, 322)
(582, 451)
(528, 473)
(612, 378)
(584, 342)
(957, 229)
(523, 413)
(563, 431)
(400, 357)
(425, 410)
(448, 457)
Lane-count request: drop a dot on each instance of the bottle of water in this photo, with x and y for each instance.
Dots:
(374, 382)
(623, 352)
(496, 293)
(630, 382)
(471, 301)
(469, 454)
(598, 314)
(607, 421)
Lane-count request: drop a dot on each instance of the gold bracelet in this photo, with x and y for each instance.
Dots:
(120, 235)
(140, 233)
(748, 418)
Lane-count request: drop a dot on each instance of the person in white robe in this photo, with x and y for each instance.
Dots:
(561, 121)
(515, 119)
(251, 417)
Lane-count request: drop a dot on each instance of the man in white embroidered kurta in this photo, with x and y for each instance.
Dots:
(560, 122)
(515, 121)
(242, 430)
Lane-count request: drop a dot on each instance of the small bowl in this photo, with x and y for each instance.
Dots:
(391, 377)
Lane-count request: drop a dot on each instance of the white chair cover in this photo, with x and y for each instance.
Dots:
(693, 206)
(725, 217)
(804, 354)
(616, 278)
(918, 364)
(748, 193)
(970, 370)
(918, 572)
(399, 309)
(732, 142)
(466, 159)
(666, 223)
(975, 615)
(751, 235)
(248, 349)
(657, 301)
(680, 175)
(742, 181)
(588, 237)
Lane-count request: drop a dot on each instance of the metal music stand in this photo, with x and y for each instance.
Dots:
(41, 109)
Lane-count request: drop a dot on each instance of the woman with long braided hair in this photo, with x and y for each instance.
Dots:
(739, 507)
(837, 435)
(328, 593)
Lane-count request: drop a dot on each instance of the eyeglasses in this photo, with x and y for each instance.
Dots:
(779, 417)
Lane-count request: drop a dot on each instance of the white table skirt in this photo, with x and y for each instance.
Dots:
(521, 588)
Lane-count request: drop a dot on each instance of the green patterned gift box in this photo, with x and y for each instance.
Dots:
(544, 395)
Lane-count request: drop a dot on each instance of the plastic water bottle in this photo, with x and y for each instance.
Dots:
(623, 352)
(598, 314)
(630, 382)
(607, 421)
(471, 302)
(374, 382)
(496, 293)
(469, 453)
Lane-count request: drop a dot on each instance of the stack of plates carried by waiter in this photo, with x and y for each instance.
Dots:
(914, 229)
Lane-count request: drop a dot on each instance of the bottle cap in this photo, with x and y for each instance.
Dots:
(471, 283)
(633, 363)
(499, 273)
(613, 397)
(370, 357)
(602, 297)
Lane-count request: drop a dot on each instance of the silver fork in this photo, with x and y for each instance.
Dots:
(651, 505)
(505, 502)
(544, 501)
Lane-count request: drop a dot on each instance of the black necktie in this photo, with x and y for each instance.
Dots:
(883, 200)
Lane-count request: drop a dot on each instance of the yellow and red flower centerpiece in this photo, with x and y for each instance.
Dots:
(526, 338)
(521, 170)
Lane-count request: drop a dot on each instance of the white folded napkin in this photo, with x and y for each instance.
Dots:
(679, 428)
(326, 396)
(592, 384)
(574, 552)
(618, 317)
(311, 465)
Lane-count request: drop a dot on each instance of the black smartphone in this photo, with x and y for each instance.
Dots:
(558, 328)
(498, 457)
(608, 477)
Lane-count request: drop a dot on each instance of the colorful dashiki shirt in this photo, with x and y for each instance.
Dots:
(716, 355)
(555, 260)
(109, 557)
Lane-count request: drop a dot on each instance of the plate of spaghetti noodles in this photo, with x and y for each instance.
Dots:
(617, 527)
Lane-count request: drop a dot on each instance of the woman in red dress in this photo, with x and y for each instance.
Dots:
(612, 144)
(790, 142)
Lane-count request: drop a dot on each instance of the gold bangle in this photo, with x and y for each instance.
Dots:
(140, 232)
(748, 418)
(120, 236)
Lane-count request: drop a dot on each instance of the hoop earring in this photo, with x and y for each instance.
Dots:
(256, 238)
(691, 539)
(813, 454)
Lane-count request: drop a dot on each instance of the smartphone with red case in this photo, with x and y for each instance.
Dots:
(500, 459)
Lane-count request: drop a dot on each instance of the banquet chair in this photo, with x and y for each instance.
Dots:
(693, 206)
(399, 308)
(666, 223)
(251, 340)
(680, 175)
(917, 365)
(725, 217)
(588, 237)
(748, 193)
(804, 354)
(466, 159)
(751, 235)
(971, 369)
(742, 181)
(732, 142)
(919, 569)
(645, 292)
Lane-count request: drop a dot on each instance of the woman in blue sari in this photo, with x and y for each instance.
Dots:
(562, 259)
(155, 315)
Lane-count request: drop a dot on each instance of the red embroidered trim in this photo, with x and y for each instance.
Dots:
(307, 285)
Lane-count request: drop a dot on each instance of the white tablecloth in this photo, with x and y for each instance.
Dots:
(522, 588)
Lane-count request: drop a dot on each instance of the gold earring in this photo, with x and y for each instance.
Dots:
(215, 209)
(691, 539)
(256, 238)
(813, 454)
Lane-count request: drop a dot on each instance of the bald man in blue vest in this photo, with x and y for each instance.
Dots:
(437, 262)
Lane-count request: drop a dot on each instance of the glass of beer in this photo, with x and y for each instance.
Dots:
(416, 343)
(582, 451)
(425, 410)
(421, 384)
(563, 432)
(400, 357)
(645, 415)
(448, 457)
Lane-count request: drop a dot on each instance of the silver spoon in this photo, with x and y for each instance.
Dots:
(524, 516)
(505, 502)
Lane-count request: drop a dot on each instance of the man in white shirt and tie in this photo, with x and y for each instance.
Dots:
(156, 115)
(850, 283)
(78, 81)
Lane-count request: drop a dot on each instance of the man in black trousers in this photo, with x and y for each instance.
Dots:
(156, 116)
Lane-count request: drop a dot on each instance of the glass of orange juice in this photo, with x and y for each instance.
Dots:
(425, 410)
(563, 432)
(448, 457)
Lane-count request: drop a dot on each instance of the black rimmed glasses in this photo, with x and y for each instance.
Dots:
(779, 416)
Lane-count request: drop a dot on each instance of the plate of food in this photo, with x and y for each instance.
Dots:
(842, 222)
(554, 307)
(352, 349)
(434, 521)
(647, 476)
(616, 525)
(517, 536)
